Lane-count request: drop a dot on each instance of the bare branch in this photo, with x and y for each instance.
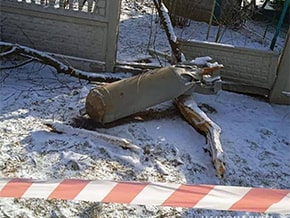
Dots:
(16, 49)
(12, 51)
(18, 65)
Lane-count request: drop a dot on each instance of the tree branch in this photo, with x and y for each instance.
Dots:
(12, 51)
(200, 121)
(165, 19)
(15, 49)
(18, 65)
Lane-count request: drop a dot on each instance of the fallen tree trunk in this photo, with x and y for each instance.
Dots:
(200, 121)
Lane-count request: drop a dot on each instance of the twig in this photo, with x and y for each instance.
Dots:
(18, 65)
(151, 27)
(8, 53)
(158, 53)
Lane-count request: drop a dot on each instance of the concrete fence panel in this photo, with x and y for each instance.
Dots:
(245, 70)
(82, 29)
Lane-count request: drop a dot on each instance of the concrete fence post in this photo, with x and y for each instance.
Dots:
(113, 10)
(280, 92)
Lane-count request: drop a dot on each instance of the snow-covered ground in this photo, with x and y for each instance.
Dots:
(255, 138)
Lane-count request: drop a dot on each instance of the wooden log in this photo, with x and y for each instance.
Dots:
(200, 121)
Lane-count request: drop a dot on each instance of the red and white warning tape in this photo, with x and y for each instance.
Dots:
(214, 197)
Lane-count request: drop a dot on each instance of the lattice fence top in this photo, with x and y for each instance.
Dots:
(88, 6)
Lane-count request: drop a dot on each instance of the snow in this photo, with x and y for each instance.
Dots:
(201, 60)
(255, 136)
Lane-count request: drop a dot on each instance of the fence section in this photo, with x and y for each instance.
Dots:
(245, 70)
(280, 92)
(85, 29)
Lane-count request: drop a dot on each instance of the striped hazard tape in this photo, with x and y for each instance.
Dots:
(214, 197)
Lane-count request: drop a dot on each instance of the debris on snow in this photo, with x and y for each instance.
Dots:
(65, 129)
